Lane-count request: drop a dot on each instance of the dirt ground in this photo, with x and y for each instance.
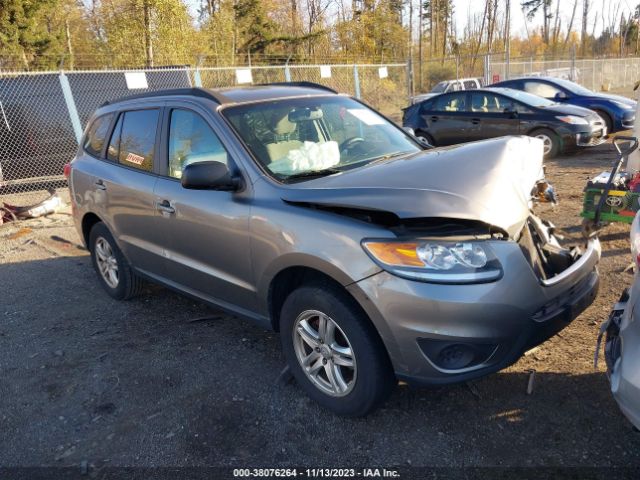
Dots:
(164, 381)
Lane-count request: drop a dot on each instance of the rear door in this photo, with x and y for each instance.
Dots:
(446, 118)
(493, 115)
(123, 188)
(207, 231)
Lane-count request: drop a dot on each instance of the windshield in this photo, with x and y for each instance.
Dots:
(530, 99)
(440, 87)
(293, 138)
(572, 87)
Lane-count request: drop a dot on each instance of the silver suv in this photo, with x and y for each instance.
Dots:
(314, 215)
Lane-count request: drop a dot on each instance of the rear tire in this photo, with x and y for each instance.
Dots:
(426, 137)
(549, 139)
(114, 272)
(347, 369)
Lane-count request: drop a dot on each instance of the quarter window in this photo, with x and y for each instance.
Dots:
(192, 140)
(133, 140)
(97, 135)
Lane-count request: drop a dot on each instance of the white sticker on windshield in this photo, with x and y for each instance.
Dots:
(366, 116)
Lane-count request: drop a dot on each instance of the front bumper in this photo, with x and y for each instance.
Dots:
(439, 334)
(580, 136)
(622, 356)
(627, 120)
(592, 139)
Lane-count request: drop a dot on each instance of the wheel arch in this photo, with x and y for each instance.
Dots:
(88, 221)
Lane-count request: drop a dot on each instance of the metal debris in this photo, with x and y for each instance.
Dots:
(532, 377)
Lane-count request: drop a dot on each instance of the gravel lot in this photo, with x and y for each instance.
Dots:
(164, 381)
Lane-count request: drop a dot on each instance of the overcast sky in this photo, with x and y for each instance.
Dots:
(462, 7)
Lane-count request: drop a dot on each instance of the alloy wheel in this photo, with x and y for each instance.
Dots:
(546, 142)
(324, 353)
(107, 262)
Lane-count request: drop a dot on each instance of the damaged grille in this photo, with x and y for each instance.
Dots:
(546, 259)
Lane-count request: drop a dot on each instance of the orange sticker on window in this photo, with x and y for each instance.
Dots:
(133, 158)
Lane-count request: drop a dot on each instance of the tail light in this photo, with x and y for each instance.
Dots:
(635, 241)
(67, 170)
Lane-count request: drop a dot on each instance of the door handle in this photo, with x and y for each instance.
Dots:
(100, 185)
(165, 207)
(475, 121)
(434, 118)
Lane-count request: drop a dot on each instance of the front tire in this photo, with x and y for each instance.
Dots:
(608, 121)
(114, 272)
(550, 141)
(333, 351)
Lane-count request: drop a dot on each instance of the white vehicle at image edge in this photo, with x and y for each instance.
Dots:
(622, 341)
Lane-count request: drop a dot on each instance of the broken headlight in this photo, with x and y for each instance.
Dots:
(436, 261)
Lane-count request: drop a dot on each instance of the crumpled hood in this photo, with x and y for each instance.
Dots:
(489, 181)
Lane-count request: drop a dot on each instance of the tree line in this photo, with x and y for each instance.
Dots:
(73, 34)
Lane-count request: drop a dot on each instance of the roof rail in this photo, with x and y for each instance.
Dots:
(194, 92)
(300, 84)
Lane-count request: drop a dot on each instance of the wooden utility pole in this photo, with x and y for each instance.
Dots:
(67, 32)
(420, 45)
(147, 32)
(583, 33)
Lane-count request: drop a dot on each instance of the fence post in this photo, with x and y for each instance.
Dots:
(197, 80)
(71, 106)
(572, 74)
(356, 81)
(409, 79)
(487, 69)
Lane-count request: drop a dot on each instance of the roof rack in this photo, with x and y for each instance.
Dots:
(317, 86)
(194, 92)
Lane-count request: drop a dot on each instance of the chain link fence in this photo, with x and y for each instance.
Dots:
(43, 114)
(602, 74)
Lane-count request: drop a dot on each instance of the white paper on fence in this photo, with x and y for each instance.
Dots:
(366, 116)
(325, 71)
(310, 156)
(243, 75)
(136, 80)
(383, 72)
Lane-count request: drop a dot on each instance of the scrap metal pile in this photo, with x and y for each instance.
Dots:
(12, 213)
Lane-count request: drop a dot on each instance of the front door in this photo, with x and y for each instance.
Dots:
(446, 119)
(207, 231)
(493, 116)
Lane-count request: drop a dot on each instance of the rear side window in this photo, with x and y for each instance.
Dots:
(133, 140)
(470, 84)
(97, 135)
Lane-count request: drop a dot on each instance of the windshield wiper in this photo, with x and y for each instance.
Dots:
(312, 174)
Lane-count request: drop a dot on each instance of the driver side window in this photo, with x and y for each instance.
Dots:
(541, 89)
(191, 140)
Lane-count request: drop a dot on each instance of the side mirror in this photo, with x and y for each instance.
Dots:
(209, 176)
(560, 96)
(512, 112)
